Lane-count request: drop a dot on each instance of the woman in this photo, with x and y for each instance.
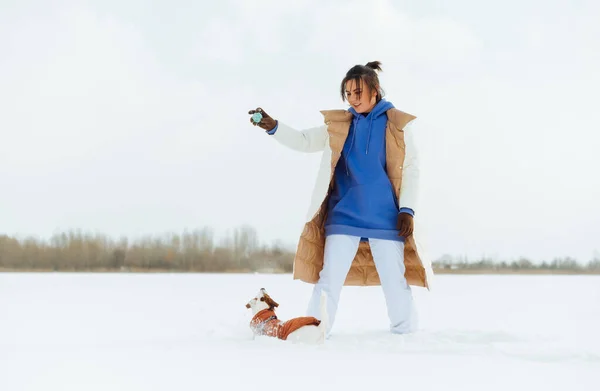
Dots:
(359, 228)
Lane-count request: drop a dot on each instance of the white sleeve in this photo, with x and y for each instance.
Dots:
(410, 173)
(307, 140)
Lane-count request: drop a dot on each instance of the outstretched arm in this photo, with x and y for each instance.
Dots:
(307, 140)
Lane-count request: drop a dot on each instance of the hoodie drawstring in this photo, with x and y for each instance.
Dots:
(369, 135)
(376, 111)
(352, 143)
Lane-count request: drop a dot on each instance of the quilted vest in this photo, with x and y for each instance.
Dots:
(308, 260)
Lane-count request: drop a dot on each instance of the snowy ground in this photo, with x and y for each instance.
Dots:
(189, 332)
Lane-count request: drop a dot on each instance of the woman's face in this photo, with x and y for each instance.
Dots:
(360, 97)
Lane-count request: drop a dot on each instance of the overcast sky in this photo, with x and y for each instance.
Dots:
(129, 119)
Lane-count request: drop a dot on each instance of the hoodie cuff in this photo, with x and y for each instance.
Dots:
(272, 131)
(407, 210)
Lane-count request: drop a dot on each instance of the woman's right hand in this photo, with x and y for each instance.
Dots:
(267, 123)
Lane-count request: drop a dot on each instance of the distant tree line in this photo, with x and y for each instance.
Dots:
(191, 251)
(522, 265)
(199, 251)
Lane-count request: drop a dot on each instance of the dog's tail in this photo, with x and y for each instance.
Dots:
(324, 325)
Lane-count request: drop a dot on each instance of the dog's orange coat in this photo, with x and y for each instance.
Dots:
(265, 322)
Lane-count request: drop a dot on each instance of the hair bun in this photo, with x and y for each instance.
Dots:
(375, 65)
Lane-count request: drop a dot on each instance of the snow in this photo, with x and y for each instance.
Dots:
(61, 331)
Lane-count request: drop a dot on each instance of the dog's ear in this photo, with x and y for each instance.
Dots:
(272, 303)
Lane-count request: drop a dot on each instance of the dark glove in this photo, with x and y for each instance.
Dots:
(405, 225)
(267, 123)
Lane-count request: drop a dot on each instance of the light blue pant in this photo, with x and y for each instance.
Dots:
(388, 256)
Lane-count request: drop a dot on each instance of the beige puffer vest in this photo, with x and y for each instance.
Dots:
(308, 260)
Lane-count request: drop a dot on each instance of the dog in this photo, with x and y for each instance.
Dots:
(305, 329)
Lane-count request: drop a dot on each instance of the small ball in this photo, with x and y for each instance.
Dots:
(256, 117)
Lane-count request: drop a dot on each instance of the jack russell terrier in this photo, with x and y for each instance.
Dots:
(305, 329)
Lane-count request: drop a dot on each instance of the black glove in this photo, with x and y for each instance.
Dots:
(267, 123)
(405, 225)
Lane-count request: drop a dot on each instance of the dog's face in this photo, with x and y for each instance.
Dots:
(261, 301)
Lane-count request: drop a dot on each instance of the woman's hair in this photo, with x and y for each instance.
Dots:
(368, 73)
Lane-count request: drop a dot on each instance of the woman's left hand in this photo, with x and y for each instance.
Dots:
(405, 225)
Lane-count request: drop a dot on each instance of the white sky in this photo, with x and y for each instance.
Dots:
(128, 119)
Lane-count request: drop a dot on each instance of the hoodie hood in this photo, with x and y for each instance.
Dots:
(380, 108)
(377, 111)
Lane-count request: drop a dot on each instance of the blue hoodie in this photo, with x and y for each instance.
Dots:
(363, 202)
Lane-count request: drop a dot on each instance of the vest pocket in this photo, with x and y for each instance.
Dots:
(396, 202)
